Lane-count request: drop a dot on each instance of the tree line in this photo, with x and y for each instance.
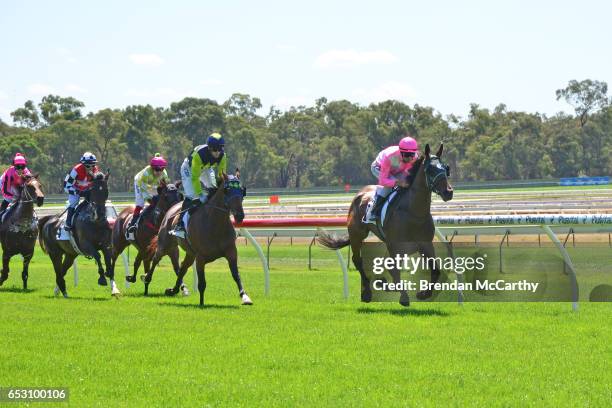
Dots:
(330, 143)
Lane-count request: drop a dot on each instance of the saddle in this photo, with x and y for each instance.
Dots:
(380, 222)
(63, 235)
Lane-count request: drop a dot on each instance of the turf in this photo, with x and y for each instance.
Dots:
(302, 345)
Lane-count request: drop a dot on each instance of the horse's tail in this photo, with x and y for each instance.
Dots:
(152, 248)
(332, 241)
(41, 223)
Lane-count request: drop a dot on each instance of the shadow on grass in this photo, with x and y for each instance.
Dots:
(95, 299)
(141, 295)
(17, 290)
(197, 306)
(403, 312)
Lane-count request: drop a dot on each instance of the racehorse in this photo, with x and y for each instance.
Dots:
(408, 226)
(210, 235)
(148, 227)
(18, 231)
(91, 233)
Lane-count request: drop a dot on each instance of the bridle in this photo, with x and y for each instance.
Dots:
(443, 171)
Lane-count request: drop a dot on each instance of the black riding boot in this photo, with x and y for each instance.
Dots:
(69, 216)
(3, 207)
(180, 226)
(378, 205)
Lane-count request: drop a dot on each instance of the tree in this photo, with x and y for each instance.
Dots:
(585, 96)
(27, 116)
(54, 108)
(242, 105)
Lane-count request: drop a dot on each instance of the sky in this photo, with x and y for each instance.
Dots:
(444, 54)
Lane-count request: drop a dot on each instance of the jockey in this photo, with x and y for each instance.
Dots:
(11, 179)
(199, 168)
(391, 168)
(145, 186)
(78, 182)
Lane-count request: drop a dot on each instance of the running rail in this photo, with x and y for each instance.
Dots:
(458, 225)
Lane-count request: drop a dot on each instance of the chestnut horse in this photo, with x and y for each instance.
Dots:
(210, 235)
(148, 227)
(408, 227)
(18, 232)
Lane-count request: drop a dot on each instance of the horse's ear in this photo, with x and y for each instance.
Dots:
(439, 153)
(224, 176)
(427, 150)
(178, 183)
(106, 176)
(35, 175)
(237, 173)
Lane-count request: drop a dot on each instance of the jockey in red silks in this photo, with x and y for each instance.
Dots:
(11, 179)
(78, 182)
(391, 168)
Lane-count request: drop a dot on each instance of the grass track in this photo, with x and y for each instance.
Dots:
(303, 345)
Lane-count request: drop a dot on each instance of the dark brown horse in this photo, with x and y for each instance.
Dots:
(210, 235)
(18, 232)
(408, 227)
(91, 232)
(148, 227)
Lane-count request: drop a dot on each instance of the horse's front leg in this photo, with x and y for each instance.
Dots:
(5, 267)
(110, 270)
(24, 274)
(231, 254)
(427, 250)
(395, 250)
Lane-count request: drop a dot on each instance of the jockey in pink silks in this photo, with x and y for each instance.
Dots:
(391, 168)
(11, 179)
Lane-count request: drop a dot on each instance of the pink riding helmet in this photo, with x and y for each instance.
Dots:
(408, 144)
(158, 161)
(19, 159)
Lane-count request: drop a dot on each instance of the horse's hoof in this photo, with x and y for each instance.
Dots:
(116, 293)
(170, 292)
(424, 294)
(102, 281)
(246, 300)
(366, 296)
(404, 300)
(56, 291)
(184, 290)
(131, 279)
(3, 278)
(65, 294)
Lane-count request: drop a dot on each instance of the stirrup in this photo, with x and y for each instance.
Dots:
(178, 230)
(177, 233)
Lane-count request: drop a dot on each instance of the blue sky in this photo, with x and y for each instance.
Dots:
(445, 54)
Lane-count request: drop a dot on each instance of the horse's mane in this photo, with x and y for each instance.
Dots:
(414, 170)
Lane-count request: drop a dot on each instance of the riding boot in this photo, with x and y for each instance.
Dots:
(68, 226)
(3, 207)
(180, 226)
(378, 205)
(134, 221)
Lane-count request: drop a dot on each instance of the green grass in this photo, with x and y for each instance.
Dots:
(302, 345)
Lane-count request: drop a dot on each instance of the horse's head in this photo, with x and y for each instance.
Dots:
(98, 194)
(168, 195)
(32, 189)
(437, 173)
(234, 193)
